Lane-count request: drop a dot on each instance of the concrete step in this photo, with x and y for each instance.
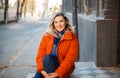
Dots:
(78, 66)
(89, 70)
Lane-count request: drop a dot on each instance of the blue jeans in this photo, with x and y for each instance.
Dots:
(50, 64)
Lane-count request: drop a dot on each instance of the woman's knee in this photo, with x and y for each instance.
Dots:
(47, 58)
(50, 63)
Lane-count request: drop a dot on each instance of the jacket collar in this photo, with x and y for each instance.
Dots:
(66, 36)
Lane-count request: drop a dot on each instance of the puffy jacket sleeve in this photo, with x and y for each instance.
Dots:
(70, 58)
(41, 53)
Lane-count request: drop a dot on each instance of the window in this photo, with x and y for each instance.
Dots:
(92, 7)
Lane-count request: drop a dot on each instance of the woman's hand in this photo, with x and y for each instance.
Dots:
(45, 74)
(50, 75)
(53, 75)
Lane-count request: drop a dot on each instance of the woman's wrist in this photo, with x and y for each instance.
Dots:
(55, 75)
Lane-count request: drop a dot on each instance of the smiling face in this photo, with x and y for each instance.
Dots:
(59, 23)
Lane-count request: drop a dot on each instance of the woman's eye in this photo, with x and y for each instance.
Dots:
(58, 21)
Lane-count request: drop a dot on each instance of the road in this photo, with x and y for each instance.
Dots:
(18, 47)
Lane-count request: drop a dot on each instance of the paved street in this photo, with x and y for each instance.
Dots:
(18, 47)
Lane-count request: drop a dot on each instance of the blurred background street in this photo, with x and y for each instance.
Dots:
(18, 47)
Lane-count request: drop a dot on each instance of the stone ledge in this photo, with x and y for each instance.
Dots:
(78, 65)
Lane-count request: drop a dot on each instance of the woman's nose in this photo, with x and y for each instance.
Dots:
(58, 23)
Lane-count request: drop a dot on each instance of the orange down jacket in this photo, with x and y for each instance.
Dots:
(67, 52)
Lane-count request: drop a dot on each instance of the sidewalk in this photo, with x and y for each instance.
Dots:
(89, 70)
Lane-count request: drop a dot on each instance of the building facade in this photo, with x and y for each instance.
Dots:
(97, 28)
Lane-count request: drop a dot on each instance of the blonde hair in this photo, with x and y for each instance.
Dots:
(68, 26)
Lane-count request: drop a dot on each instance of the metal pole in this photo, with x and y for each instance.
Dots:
(75, 19)
(74, 14)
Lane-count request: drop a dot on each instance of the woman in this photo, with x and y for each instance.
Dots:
(58, 50)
